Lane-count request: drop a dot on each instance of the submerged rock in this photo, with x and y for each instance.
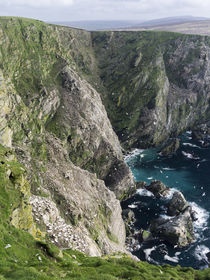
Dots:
(177, 204)
(170, 147)
(158, 188)
(176, 231)
(145, 235)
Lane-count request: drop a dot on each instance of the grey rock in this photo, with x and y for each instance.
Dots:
(178, 231)
(141, 185)
(158, 189)
(208, 256)
(177, 204)
(92, 144)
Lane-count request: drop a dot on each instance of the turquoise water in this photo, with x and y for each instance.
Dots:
(187, 171)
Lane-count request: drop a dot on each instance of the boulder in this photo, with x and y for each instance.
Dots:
(145, 235)
(158, 188)
(177, 204)
(208, 257)
(194, 215)
(141, 185)
(178, 231)
(170, 147)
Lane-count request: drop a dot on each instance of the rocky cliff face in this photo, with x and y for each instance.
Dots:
(58, 127)
(52, 80)
(157, 84)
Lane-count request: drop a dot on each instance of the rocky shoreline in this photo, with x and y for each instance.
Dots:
(176, 228)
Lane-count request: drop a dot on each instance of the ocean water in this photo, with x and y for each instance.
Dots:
(187, 171)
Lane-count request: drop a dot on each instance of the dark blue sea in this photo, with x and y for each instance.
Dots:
(187, 171)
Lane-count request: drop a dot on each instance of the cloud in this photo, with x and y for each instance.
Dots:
(67, 10)
(36, 3)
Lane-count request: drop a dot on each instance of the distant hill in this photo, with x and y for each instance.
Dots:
(93, 25)
(170, 21)
(194, 27)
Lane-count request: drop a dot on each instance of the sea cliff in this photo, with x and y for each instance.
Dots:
(62, 91)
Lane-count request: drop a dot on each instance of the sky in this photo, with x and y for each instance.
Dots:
(75, 10)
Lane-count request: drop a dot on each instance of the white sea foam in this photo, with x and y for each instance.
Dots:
(133, 154)
(148, 252)
(144, 192)
(150, 178)
(168, 168)
(188, 155)
(132, 206)
(165, 217)
(174, 259)
(200, 252)
(202, 216)
(170, 193)
(191, 145)
(203, 160)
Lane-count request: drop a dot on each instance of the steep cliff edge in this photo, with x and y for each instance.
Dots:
(156, 84)
(56, 123)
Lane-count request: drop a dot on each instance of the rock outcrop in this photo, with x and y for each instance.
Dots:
(158, 188)
(177, 204)
(177, 231)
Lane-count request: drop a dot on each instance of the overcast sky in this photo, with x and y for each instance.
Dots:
(74, 10)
